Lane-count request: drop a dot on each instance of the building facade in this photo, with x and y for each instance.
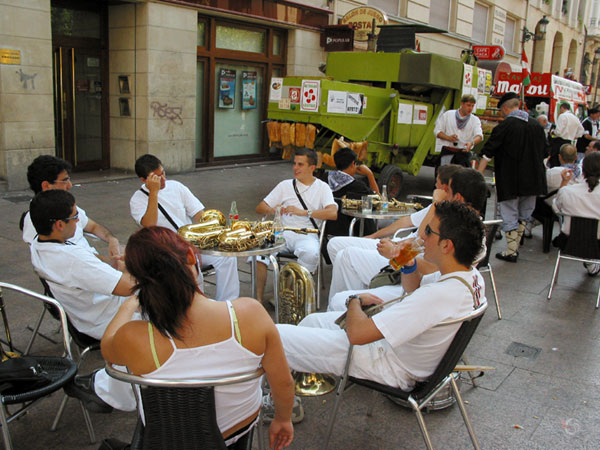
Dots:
(100, 83)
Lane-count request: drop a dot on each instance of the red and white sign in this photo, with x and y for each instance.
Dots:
(294, 95)
(309, 98)
(494, 52)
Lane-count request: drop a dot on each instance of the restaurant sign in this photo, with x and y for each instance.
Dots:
(361, 20)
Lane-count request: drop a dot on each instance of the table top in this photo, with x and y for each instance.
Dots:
(376, 214)
(274, 248)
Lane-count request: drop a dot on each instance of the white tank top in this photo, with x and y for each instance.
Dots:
(233, 403)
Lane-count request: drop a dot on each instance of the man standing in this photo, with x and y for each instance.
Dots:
(590, 133)
(90, 290)
(517, 146)
(290, 196)
(169, 204)
(400, 346)
(568, 129)
(458, 131)
(47, 172)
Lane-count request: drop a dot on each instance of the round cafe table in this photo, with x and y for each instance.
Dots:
(270, 250)
(358, 214)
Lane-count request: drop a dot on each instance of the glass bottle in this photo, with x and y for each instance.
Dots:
(384, 199)
(278, 226)
(233, 214)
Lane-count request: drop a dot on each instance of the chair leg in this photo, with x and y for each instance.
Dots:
(421, 422)
(465, 361)
(59, 413)
(463, 411)
(88, 423)
(35, 331)
(493, 280)
(259, 432)
(5, 432)
(318, 286)
(554, 275)
(598, 298)
(338, 396)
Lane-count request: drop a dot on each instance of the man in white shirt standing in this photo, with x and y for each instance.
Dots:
(179, 207)
(457, 132)
(568, 129)
(320, 205)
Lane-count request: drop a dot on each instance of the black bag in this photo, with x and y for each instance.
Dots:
(20, 374)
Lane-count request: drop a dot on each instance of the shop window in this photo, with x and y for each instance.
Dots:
(76, 23)
(439, 14)
(480, 22)
(277, 44)
(240, 39)
(509, 34)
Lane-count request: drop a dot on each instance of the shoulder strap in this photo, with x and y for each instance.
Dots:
(152, 346)
(235, 326)
(462, 280)
(314, 224)
(164, 212)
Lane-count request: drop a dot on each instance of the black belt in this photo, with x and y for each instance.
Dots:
(452, 149)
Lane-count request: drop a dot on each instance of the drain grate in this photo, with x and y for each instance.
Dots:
(523, 351)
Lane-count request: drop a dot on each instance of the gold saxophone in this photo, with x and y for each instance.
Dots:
(296, 301)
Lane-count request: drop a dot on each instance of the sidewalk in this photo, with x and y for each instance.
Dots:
(546, 397)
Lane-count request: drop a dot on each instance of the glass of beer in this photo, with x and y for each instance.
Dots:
(410, 249)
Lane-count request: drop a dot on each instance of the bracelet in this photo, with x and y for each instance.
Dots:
(352, 297)
(408, 269)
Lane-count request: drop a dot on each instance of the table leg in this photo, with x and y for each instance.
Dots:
(253, 275)
(273, 259)
(351, 229)
(362, 228)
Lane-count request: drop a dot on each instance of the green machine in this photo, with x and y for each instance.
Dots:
(390, 100)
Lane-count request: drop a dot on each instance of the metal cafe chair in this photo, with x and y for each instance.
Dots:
(60, 370)
(424, 391)
(582, 245)
(491, 227)
(180, 414)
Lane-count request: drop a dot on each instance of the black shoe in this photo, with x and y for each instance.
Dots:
(510, 258)
(82, 388)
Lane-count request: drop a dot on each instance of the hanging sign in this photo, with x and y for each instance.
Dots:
(309, 98)
(248, 90)
(361, 19)
(227, 88)
(494, 52)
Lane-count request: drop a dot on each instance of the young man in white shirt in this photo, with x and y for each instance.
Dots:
(320, 205)
(47, 172)
(400, 346)
(181, 208)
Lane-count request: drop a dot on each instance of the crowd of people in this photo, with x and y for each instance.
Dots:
(148, 307)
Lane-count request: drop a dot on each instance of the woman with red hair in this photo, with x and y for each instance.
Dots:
(187, 335)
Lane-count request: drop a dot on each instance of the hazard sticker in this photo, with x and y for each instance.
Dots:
(309, 97)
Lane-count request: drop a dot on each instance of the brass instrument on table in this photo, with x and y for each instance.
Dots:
(393, 204)
(296, 301)
(202, 235)
(214, 214)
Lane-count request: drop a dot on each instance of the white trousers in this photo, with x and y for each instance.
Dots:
(117, 394)
(385, 293)
(304, 246)
(317, 344)
(355, 262)
(226, 272)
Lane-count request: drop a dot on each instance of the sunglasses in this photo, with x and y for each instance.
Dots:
(75, 217)
(429, 231)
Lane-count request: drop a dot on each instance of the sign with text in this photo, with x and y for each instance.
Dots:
(10, 56)
(248, 90)
(338, 38)
(361, 20)
(494, 52)
(309, 98)
(227, 88)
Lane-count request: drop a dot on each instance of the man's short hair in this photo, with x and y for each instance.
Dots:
(568, 152)
(468, 98)
(45, 168)
(566, 106)
(471, 185)
(49, 206)
(344, 158)
(146, 164)
(310, 154)
(596, 145)
(462, 225)
(511, 103)
(593, 111)
(446, 172)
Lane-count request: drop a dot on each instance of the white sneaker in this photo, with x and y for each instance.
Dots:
(268, 409)
(592, 269)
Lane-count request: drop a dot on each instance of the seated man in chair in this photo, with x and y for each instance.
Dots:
(400, 346)
(90, 290)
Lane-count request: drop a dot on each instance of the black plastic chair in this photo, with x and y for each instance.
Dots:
(180, 414)
(425, 391)
(491, 227)
(60, 370)
(582, 245)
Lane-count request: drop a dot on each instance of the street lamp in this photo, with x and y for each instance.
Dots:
(527, 35)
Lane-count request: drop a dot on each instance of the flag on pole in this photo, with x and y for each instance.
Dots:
(525, 69)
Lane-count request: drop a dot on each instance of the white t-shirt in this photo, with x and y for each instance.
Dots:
(175, 198)
(407, 327)
(447, 124)
(316, 196)
(29, 232)
(576, 200)
(81, 282)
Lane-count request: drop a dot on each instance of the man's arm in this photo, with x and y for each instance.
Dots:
(264, 209)
(198, 216)
(364, 170)
(124, 287)
(446, 137)
(402, 222)
(103, 233)
(327, 213)
(360, 328)
(150, 217)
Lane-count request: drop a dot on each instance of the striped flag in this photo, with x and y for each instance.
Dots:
(525, 69)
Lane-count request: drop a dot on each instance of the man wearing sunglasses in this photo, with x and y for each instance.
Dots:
(47, 172)
(90, 290)
(400, 346)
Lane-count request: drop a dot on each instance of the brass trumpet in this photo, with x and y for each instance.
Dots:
(202, 235)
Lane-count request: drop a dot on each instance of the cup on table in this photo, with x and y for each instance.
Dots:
(367, 204)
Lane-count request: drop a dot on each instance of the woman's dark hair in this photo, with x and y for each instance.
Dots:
(158, 260)
(461, 224)
(591, 169)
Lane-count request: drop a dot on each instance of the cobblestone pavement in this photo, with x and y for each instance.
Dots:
(547, 397)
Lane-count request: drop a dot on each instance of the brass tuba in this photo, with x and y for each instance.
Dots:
(296, 301)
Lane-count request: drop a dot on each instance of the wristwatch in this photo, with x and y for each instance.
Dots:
(309, 213)
(352, 297)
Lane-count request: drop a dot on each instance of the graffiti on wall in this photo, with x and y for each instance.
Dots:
(24, 78)
(164, 111)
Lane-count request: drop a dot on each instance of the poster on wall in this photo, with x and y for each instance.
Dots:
(405, 113)
(248, 90)
(309, 99)
(354, 103)
(420, 115)
(226, 88)
(275, 89)
(336, 102)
